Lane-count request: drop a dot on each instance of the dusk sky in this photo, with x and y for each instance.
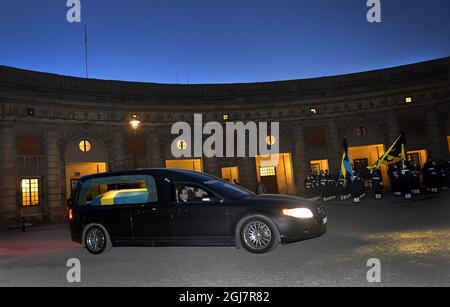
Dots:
(221, 41)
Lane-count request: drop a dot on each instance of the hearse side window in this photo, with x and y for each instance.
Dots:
(118, 190)
(185, 193)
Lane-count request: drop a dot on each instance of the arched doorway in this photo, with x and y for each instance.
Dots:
(190, 164)
(278, 177)
(84, 156)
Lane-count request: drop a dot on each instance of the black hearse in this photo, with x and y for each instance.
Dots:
(161, 207)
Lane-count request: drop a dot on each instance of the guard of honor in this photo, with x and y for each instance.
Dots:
(404, 178)
(376, 183)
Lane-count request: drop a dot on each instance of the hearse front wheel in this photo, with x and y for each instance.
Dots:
(96, 240)
(259, 235)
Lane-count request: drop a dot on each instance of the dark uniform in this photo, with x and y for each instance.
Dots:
(405, 179)
(394, 177)
(433, 176)
(376, 182)
(315, 187)
(322, 184)
(308, 187)
(355, 187)
(443, 173)
(362, 186)
(328, 195)
(415, 180)
(341, 188)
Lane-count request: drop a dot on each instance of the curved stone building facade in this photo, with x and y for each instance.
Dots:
(55, 129)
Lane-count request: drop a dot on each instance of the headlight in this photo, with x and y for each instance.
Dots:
(301, 213)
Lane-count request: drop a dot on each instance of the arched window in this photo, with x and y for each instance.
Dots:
(182, 145)
(85, 146)
(271, 140)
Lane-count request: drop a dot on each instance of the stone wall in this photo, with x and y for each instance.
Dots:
(59, 109)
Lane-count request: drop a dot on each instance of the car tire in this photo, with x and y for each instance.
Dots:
(258, 234)
(96, 239)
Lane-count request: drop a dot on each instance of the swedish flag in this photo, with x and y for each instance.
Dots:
(346, 165)
(396, 153)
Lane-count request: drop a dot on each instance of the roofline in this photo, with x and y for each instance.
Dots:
(349, 75)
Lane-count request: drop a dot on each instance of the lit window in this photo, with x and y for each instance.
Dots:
(30, 192)
(85, 146)
(408, 100)
(267, 171)
(271, 140)
(313, 110)
(182, 145)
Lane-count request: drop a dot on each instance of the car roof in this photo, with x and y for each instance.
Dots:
(176, 174)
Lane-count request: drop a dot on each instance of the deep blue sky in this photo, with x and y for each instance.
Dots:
(221, 41)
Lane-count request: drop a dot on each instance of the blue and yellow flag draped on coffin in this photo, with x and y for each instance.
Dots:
(121, 197)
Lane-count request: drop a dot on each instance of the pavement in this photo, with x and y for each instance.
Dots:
(411, 239)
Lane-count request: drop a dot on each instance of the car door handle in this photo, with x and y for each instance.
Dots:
(143, 211)
(182, 210)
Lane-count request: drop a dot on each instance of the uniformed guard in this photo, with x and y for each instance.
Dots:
(308, 187)
(362, 186)
(394, 177)
(322, 184)
(356, 187)
(341, 188)
(328, 189)
(315, 187)
(376, 183)
(333, 186)
(405, 179)
(443, 174)
(427, 174)
(415, 179)
(433, 177)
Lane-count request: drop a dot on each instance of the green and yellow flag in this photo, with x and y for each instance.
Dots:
(396, 153)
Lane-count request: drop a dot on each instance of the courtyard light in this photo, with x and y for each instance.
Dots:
(135, 122)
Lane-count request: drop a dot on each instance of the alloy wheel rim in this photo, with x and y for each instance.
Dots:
(95, 240)
(257, 235)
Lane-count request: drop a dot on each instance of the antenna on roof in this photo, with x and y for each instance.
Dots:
(187, 75)
(86, 50)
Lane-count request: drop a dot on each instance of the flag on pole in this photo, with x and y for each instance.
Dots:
(396, 153)
(346, 165)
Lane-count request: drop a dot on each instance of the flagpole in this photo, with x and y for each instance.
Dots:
(86, 51)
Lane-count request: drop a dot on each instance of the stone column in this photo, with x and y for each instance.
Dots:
(9, 200)
(154, 157)
(247, 168)
(211, 166)
(334, 147)
(393, 129)
(299, 159)
(435, 138)
(55, 202)
(117, 155)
